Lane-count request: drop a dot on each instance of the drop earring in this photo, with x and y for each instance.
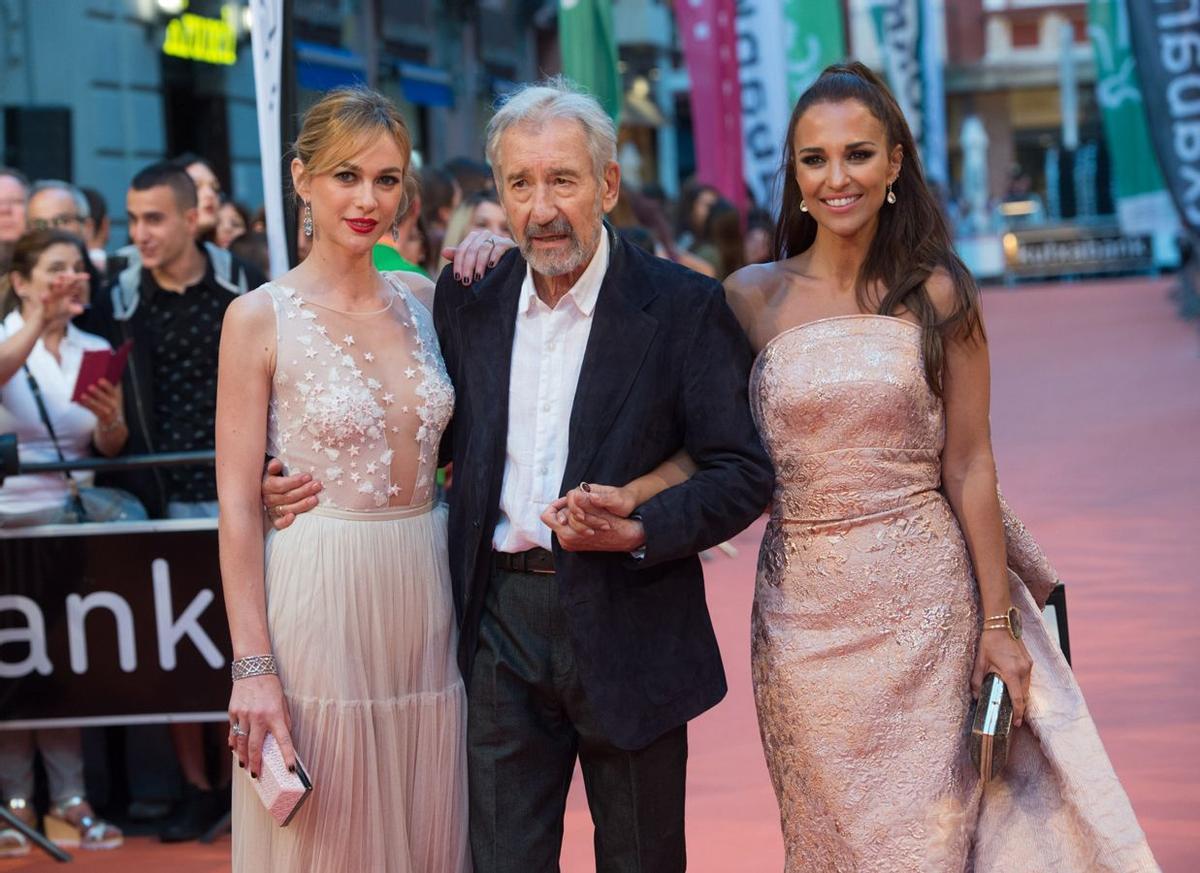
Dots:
(308, 228)
(891, 195)
(803, 206)
(396, 229)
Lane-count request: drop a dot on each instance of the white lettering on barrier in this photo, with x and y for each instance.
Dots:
(77, 610)
(170, 631)
(33, 634)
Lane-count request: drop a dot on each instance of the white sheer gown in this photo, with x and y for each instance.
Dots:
(359, 602)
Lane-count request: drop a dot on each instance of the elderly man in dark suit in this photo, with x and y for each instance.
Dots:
(580, 357)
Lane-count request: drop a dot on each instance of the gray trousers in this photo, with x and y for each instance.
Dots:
(62, 753)
(528, 721)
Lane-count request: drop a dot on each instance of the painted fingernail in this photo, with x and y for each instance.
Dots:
(458, 276)
(253, 775)
(292, 769)
(240, 764)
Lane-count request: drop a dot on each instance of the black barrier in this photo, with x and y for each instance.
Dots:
(112, 624)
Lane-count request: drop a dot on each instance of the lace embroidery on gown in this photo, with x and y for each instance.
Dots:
(865, 627)
(353, 392)
(358, 599)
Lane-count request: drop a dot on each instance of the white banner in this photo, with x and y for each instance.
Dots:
(266, 39)
(766, 109)
(898, 27)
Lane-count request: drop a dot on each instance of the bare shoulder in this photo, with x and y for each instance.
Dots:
(421, 287)
(943, 293)
(752, 284)
(251, 313)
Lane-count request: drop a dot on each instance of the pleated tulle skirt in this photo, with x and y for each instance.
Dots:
(361, 617)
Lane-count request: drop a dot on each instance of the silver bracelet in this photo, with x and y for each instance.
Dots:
(255, 665)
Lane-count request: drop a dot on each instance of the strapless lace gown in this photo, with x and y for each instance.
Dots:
(865, 625)
(359, 602)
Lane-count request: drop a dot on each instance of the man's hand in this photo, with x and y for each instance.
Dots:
(607, 533)
(285, 497)
(476, 254)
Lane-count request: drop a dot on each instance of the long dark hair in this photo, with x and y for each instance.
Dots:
(912, 238)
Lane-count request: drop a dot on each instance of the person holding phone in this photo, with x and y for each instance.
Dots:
(40, 355)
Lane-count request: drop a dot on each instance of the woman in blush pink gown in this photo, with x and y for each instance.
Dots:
(886, 575)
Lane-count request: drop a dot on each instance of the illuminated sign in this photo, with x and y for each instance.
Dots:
(208, 40)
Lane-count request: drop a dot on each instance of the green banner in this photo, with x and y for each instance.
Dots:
(589, 50)
(815, 37)
(1143, 204)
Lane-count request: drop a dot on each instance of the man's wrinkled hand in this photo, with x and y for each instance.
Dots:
(285, 497)
(609, 533)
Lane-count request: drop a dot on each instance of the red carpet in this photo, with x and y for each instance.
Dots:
(1096, 417)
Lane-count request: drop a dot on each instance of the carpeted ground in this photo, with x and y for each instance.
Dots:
(1096, 418)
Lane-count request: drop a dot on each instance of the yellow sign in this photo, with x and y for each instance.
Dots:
(197, 38)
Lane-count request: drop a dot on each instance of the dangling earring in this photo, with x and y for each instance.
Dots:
(396, 229)
(803, 206)
(308, 229)
(891, 195)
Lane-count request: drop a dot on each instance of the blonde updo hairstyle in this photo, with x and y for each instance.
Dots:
(341, 123)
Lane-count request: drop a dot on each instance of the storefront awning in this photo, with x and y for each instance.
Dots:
(425, 86)
(321, 67)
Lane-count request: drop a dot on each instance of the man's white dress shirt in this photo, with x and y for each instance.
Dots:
(548, 348)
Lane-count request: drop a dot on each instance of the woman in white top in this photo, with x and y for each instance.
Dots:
(46, 288)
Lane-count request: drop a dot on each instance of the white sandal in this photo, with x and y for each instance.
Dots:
(89, 832)
(13, 843)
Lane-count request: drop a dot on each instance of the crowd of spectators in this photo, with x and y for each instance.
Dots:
(65, 290)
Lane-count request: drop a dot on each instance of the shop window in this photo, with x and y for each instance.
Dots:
(37, 140)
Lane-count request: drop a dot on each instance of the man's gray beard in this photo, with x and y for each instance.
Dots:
(559, 263)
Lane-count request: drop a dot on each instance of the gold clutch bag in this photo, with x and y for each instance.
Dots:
(991, 728)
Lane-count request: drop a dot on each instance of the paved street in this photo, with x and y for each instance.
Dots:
(1096, 414)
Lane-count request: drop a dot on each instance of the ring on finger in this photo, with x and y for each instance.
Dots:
(237, 730)
(490, 241)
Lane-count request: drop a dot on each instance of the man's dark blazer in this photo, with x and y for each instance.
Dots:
(666, 366)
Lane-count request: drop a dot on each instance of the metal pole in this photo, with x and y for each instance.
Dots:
(34, 836)
(289, 128)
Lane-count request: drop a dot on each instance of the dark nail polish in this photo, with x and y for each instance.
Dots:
(253, 775)
(292, 768)
(458, 277)
(240, 764)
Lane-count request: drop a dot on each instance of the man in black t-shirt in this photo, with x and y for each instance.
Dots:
(170, 300)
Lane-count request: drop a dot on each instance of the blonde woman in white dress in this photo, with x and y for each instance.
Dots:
(335, 370)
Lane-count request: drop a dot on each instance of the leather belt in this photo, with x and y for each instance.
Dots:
(538, 561)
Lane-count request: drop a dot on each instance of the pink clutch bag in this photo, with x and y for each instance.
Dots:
(281, 791)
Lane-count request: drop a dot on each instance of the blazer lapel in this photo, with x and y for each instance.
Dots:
(620, 336)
